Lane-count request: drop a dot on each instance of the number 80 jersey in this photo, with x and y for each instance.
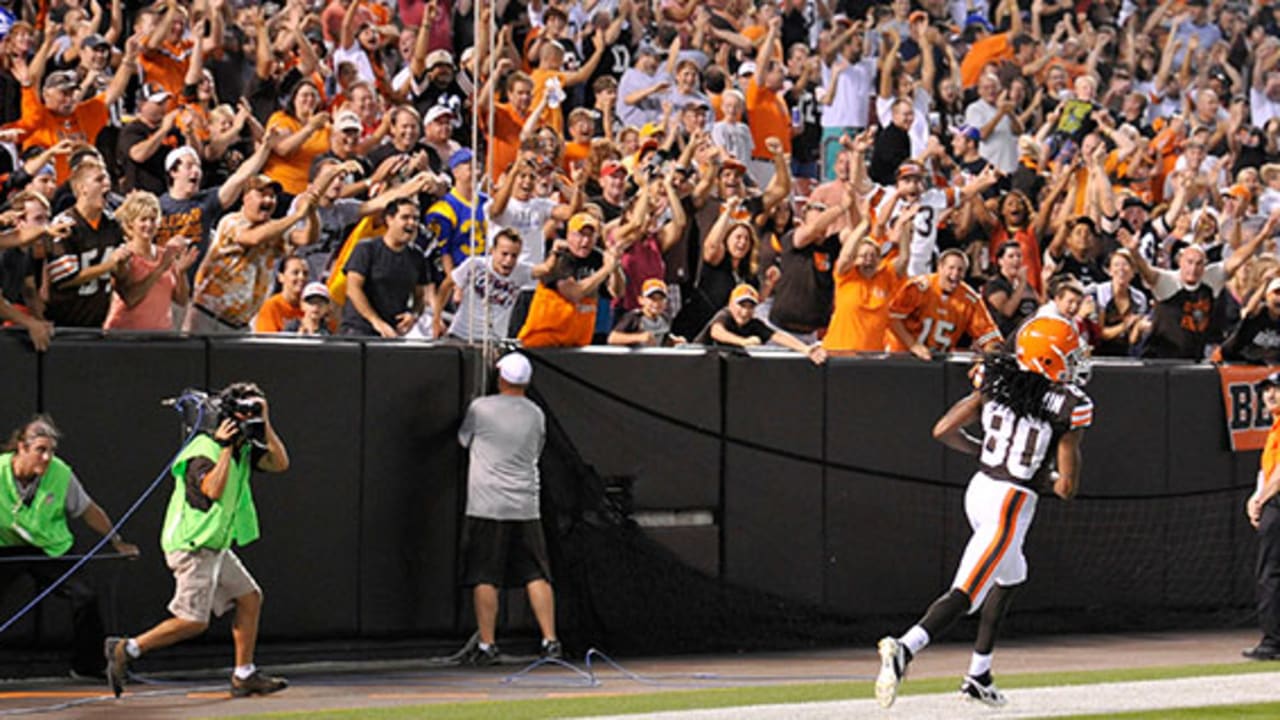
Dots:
(1015, 447)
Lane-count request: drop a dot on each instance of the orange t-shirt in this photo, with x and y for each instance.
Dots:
(167, 65)
(504, 140)
(274, 313)
(992, 48)
(768, 117)
(551, 117)
(291, 171)
(1271, 451)
(938, 320)
(861, 316)
(43, 128)
(575, 152)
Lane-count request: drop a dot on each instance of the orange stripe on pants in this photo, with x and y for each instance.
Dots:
(1009, 511)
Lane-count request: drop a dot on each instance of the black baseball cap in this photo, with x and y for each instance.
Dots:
(1270, 380)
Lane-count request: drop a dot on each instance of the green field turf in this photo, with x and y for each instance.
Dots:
(780, 694)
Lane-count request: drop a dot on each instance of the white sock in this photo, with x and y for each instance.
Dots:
(485, 647)
(244, 671)
(916, 639)
(131, 648)
(979, 664)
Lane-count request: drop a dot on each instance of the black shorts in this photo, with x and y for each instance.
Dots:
(503, 553)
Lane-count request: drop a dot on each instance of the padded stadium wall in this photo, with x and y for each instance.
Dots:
(693, 501)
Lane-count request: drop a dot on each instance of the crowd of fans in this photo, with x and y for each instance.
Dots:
(831, 177)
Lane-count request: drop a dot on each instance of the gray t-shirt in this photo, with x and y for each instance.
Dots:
(77, 499)
(505, 434)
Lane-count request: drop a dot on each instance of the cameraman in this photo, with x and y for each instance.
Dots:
(39, 494)
(212, 507)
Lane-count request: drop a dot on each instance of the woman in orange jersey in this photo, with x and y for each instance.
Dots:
(306, 129)
(865, 283)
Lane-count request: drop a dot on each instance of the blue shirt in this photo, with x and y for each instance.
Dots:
(449, 223)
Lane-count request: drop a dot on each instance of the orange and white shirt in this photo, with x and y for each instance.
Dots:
(234, 279)
(939, 320)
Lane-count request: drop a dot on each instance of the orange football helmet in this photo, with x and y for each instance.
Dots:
(1051, 347)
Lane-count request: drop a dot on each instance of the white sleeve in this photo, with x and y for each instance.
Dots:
(1215, 276)
(1167, 284)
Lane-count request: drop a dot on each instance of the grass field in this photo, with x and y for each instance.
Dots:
(800, 693)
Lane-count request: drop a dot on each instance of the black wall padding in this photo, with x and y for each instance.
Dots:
(880, 414)
(773, 504)
(307, 560)
(410, 501)
(884, 544)
(19, 383)
(118, 438)
(631, 434)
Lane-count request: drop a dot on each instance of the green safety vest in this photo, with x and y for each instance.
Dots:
(231, 518)
(43, 522)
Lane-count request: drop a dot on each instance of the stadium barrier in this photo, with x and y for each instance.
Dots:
(818, 489)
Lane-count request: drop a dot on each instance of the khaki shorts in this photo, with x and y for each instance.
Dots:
(207, 581)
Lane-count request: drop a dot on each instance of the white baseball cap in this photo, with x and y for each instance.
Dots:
(176, 154)
(515, 369)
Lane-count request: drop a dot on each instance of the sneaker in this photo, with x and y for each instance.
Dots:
(256, 684)
(552, 649)
(893, 665)
(983, 689)
(117, 663)
(481, 658)
(1263, 651)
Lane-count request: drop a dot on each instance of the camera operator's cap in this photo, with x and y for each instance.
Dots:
(316, 290)
(910, 169)
(347, 120)
(612, 167)
(515, 369)
(436, 112)
(744, 293)
(460, 157)
(653, 286)
(968, 131)
(1271, 380)
(176, 154)
(61, 80)
(582, 220)
(747, 68)
(154, 92)
(440, 57)
(95, 41)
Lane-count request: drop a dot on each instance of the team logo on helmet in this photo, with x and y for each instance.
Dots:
(1052, 347)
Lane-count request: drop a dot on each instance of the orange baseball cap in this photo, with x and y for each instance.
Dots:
(744, 293)
(653, 286)
(582, 220)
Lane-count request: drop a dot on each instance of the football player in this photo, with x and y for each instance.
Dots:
(1032, 414)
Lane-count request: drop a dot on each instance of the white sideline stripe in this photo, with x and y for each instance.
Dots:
(1041, 702)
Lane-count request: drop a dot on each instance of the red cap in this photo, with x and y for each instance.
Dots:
(612, 166)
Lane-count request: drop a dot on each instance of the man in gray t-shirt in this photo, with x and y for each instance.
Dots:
(503, 544)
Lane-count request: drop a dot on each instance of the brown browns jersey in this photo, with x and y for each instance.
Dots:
(1020, 448)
